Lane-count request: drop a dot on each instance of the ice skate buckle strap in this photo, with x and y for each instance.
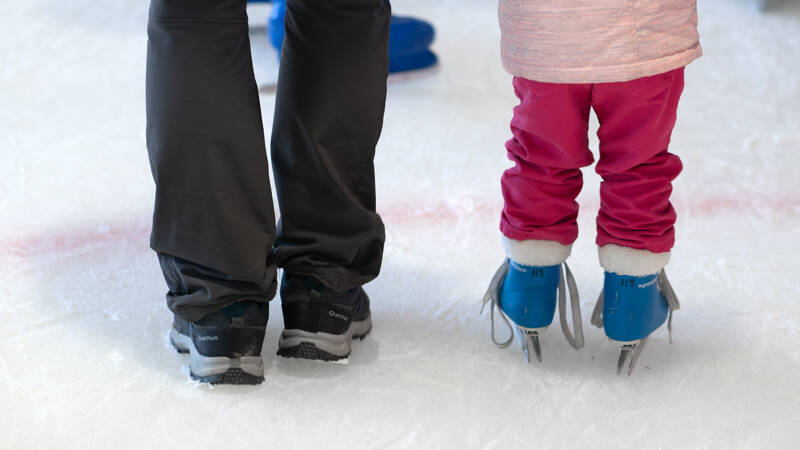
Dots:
(597, 314)
(575, 341)
(492, 296)
(669, 295)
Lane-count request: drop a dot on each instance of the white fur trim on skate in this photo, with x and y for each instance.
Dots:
(536, 252)
(630, 261)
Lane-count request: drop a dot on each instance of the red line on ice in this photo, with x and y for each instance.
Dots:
(405, 212)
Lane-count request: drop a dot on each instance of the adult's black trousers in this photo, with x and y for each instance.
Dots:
(214, 223)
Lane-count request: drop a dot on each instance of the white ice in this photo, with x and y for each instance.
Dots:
(84, 361)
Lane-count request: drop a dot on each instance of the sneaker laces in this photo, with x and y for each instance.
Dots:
(666, 290)
(492, 297)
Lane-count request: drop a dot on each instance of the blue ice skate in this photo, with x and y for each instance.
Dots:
(630, 308)
(527, 297)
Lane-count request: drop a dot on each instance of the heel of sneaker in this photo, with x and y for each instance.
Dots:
(218, 369)
(296, 343)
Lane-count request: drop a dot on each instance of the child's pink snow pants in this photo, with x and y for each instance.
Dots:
(550, 145)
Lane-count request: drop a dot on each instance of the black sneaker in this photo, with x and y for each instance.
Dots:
(320, 324)
(224, 347)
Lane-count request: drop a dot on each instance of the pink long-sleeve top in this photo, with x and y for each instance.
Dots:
(597, 41)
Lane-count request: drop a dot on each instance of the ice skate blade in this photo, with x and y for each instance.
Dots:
(630, 350)
(530, 339)
(537, 347)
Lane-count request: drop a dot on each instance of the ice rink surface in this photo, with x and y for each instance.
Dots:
(84, 359)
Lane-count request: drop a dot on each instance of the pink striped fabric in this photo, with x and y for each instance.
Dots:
(597, 41)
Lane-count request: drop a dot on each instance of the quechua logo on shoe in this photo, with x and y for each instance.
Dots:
(207, 338)
(648, 284)
(518, 267)
(337, 315)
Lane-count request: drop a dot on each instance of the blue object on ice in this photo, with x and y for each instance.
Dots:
(409, 42)
(633, 307)
(275, 26)
(528, 294)
(409, 39)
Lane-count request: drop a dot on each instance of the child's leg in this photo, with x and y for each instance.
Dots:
(635, 223)
(636, 122)
(548, 147)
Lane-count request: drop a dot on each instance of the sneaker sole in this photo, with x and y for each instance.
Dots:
(295, 343)
(218, 369)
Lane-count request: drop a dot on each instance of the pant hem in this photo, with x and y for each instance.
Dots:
(630, 261)
(536, 252)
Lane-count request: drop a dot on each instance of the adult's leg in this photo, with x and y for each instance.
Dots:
(328, 118)
(213, 223)
(548, 147)
(636, 122)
